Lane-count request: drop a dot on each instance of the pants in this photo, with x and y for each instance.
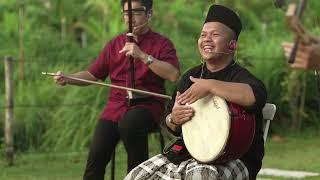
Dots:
(159, 167)
(133, 130)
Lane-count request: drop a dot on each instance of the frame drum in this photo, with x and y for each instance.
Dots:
(219, 131)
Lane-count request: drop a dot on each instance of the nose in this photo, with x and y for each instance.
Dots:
(126, 19)
(206, 38)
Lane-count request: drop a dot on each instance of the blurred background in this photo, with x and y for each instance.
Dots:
(53, 126)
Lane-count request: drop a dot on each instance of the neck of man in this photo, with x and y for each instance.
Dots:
(140, 32)
(217, 64)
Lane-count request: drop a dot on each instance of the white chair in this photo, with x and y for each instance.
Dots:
(268, 111)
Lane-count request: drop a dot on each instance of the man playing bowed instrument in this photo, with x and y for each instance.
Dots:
(155, 61)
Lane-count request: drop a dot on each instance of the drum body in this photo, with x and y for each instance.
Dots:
(219, 131)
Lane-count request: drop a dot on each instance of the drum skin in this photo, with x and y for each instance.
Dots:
(219, 131)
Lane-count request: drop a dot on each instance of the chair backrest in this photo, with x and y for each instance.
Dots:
(268, 111)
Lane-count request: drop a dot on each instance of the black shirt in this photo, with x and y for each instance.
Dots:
(235, 73)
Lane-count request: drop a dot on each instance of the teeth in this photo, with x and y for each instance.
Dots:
(207, 48)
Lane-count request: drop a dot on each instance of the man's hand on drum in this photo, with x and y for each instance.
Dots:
(181, 113)
(59, 78)
(199, 89)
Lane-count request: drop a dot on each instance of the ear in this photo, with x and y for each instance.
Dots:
(149, 14)
(233, 45)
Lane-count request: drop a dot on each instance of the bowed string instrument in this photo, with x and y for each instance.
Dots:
(132, 97)
(130, 39)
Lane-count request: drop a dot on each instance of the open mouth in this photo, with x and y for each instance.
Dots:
(207, 48)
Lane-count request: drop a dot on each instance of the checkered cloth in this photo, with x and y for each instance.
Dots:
(159, 167)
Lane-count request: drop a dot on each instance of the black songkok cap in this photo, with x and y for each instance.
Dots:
(226, 16)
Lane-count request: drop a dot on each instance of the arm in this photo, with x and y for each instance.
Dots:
(238, 93)
(160, 67)
(61, 80)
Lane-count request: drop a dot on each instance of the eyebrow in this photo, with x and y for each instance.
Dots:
(142, 8)
(213, 31)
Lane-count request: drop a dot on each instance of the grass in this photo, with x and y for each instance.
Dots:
(295, 152)
(63, 166)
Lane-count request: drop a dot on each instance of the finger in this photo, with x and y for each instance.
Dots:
(287, 44)
(186, 96)
(184, 120)
(192, 100)
(177, 118)
(178, 94)
(176, 102)
(193, 79)
(58, 75)
(298, 66)
(124, 49)
(128, 53)
(182, 98)
(183, 109)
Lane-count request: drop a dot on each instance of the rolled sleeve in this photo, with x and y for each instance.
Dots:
(260, 95)
(168, 53)
(100, 67)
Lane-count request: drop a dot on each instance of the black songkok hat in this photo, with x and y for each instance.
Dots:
(226, 16)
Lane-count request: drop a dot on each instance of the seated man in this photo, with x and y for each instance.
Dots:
(219, 75)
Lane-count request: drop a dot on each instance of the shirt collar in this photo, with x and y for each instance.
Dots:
(224, 70)
(145, 35)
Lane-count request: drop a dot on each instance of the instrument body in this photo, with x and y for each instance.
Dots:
(219, 131)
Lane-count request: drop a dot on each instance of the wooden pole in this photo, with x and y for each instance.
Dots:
(9, 151)
(21, 39)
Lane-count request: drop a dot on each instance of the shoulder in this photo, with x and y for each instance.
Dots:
(238, 70)
(115, 43)
(193, 71)
(119, 38)
(161, 38)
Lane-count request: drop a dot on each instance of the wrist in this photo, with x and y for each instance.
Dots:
(148, 59)
(144, 57)
(170, 121)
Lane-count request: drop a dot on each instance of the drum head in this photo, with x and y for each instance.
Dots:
(206, 135)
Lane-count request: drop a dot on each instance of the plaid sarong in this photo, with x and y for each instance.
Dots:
(159, 167)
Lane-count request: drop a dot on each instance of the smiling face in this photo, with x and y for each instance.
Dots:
(139, 17)
(214, 38)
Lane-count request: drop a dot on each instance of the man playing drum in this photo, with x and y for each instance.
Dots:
(218, 75)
